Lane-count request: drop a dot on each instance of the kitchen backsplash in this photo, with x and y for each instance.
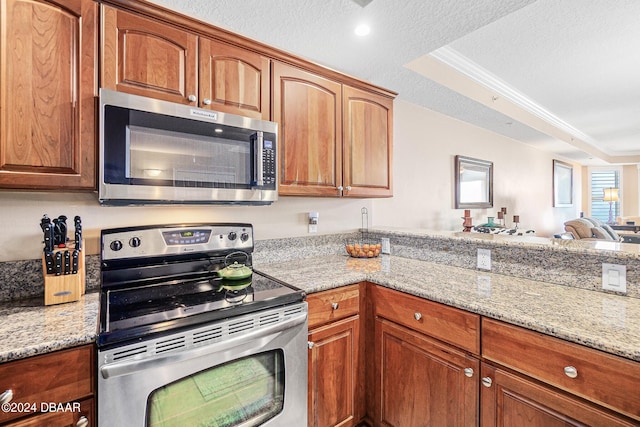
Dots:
(551, 264)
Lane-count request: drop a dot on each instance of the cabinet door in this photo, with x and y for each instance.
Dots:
(368, 120)
(309, 110)
(48, 85)
(233, 80)
(513, 400)
(422, 382)
(73, 414)
(333, 374)
(146, 57)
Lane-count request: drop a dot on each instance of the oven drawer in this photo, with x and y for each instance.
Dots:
(334, 304)
(448, 324)
(603, 378)
(59, 377)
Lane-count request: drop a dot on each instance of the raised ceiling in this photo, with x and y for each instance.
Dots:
(559, 75)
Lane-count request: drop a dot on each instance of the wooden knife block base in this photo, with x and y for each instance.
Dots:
(65, 287)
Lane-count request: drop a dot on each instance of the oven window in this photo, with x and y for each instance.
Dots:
(247, 392)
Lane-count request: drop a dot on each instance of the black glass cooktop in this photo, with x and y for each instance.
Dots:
(139, 311)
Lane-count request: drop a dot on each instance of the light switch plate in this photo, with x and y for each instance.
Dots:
(614, 277)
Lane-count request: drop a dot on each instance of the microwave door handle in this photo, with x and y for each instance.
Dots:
(258, 159)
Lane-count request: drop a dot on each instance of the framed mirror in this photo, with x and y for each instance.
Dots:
(562, 184)
(473, 183)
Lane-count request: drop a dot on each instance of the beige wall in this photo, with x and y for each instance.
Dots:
(630, 203)
(424, 145)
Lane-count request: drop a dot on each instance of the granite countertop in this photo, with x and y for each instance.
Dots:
(599, 320)
(29, 327)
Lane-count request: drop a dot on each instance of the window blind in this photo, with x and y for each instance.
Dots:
(600, 180)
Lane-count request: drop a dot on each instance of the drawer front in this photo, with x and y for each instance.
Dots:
(59, 377)
(327, 306)
(602, 378)
(440, 321)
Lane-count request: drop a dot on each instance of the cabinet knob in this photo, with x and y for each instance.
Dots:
(334, 305)
(486, 381)
(570, 371)
(82, 422)
(468, 372)
(192, 98)
(310, 344)
(207, 101)
(340, 188)
(417, 316)
(6, 396)
(348, 188)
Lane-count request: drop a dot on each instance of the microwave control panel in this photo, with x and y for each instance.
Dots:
(269, 163)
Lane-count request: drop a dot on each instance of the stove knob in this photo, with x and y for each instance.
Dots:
(233, 235)
(244, 237)
(134, 242)
(116, 245)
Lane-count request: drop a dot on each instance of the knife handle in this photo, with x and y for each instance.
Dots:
(67, 262)
(74, 261)
(57, 263)
(48, 262)
(48, 237)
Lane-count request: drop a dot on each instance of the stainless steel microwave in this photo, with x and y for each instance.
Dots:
(158, 152)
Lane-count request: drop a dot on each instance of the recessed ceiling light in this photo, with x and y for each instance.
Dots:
(362, 30)
(218, 130)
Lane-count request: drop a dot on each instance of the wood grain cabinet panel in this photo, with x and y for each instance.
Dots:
(421, 382)
(308, 108)
(335, 304)
(48, 85)
(147, 57)
(333, 374)
(514, 400)
(59, 377)
(234, 80)
(368, 132)
(602, 378)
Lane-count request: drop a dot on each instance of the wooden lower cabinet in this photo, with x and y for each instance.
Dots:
(422, 382)
(333, 374)
(80, 414)
(510, 399)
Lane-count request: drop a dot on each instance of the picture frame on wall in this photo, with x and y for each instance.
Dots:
(562, 184)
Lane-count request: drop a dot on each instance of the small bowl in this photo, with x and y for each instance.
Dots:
(363, 249)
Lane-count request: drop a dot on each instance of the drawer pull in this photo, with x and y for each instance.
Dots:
(192, 98)
(486, 381)
(82, 422)
(6, 397)
(571, 371)
(310, 344)
(468, 372)
(334, 305)
(417, 316)
(207, 101)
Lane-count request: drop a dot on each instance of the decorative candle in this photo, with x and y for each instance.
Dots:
(504, 211)
(500, 215)
(516, 218)
(467, 212)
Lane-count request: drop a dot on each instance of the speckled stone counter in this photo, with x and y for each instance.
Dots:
(29, 328)
(602, 321)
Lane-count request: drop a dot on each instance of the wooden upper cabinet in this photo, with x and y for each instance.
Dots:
(309, 110)
(147, 57)
(233, 80)
(368, 120)
(48, 85)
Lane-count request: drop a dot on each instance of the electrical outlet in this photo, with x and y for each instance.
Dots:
(614, 277)
(386, 245)
(484, 259)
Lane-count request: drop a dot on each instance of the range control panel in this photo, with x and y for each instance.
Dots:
(150, 241)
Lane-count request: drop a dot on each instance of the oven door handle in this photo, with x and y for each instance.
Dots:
(262, 334)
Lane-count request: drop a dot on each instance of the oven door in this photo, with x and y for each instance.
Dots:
(246, 371)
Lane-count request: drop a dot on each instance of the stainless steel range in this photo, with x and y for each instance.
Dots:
(191, 335)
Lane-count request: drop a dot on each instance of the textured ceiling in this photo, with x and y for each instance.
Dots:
(574, 61)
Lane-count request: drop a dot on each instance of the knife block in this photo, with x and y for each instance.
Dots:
(64, 287)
